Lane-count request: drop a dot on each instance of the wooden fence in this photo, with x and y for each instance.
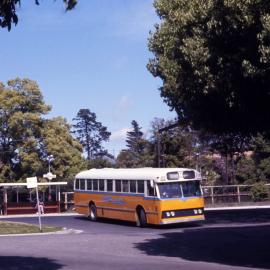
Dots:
(230, 194)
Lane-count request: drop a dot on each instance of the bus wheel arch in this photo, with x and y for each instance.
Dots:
(92, 211)
(141, 218)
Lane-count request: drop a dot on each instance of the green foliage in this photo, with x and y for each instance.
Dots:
(26, 138)
(125, 159)
(22, 106)
(134, 138)
(259, 192)
(8, 8)
(177, 146)
(213, 59)
(100, 162)
(246, 171)
(262, 156)
(90, 133)
(257, 166)
(67, 151)
(138, 152)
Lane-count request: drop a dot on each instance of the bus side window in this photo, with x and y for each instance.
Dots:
(125, 186)
(77, 184)
(118, 185)
(132, 186)
(95, 184)
(101, 185)
(82, 184)
(89, 184)
(140, 185)
(109, 185)
(150, 190)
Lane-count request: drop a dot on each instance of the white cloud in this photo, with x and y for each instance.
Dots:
(124, 104)
(122, 109)
(117, 141)
(120, 62)
(119, 135)
(134, 21)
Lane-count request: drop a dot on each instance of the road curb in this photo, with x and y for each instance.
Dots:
(61, 232)
(236, 208)
(44, 215)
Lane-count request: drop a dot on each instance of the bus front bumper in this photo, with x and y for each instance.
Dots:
(181, 220)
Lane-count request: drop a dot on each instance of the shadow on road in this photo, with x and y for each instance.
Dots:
(245, 246)
(27, 263)
(149, 226)
(237, 216)
(108, 221)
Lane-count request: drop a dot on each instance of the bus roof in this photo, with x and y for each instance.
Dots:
(157, 174)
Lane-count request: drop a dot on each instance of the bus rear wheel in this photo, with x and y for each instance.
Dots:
(93, 212)
(141, 218)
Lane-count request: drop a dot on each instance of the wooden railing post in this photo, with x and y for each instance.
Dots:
(66, 201)
(238, 194)
(212, 195)
(5, 201)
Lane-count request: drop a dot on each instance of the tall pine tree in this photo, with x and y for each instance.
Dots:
(90, 133)
(137, 152)
(134, 138)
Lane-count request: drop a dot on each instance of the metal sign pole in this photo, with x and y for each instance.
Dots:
(39, 214)
(32, 183)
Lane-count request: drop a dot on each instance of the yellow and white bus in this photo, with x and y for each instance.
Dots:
(141, 195)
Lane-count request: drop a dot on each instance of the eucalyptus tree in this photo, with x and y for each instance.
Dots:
(214, 61)
(21, 111)
(8, 10)
(57, 140)
(27, 137)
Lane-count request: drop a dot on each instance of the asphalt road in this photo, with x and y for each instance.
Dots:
(227, 240)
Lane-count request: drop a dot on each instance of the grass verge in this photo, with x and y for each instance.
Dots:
(7, 227)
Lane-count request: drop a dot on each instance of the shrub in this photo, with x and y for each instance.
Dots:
(259, 192)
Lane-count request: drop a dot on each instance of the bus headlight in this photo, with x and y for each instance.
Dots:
(200, 211)
(172, 213)
(168, 214)
(195, 211)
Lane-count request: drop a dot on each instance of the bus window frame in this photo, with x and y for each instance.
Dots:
(77, 184)
(106, 189)
(97, 188)
(99, 185)
(134, 182)
(116, 182)
(139, 181)
(80, 181)
(90, 181)
(146, 188)
(122, 186)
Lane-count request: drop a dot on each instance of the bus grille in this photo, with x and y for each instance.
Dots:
(182, 213)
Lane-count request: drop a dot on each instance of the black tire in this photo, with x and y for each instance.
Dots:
(93, 212)
(141, 218)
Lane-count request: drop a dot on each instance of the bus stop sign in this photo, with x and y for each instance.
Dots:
(31, 182)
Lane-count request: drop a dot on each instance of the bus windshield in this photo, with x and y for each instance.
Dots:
(191, 189)
(179, 190)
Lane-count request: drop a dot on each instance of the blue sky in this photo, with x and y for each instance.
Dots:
(92, 57)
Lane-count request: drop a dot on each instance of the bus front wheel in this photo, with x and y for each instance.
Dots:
(141, 218)
(93, 212)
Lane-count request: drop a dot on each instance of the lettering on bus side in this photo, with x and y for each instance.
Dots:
(110, 199)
